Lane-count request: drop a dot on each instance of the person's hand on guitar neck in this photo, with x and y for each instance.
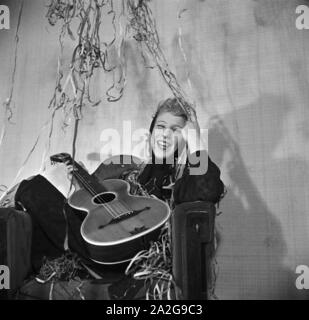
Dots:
(70, 176)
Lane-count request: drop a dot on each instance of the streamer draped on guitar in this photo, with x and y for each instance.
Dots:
(117, 225)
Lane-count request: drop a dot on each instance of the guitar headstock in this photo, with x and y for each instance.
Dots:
(60, 158)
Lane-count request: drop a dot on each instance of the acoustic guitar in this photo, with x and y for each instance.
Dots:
(117, 225)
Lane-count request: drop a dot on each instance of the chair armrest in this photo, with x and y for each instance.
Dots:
(193, 247)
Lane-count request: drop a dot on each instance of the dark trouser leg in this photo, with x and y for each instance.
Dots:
(46, 205)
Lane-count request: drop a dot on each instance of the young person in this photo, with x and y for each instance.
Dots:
(167, 175)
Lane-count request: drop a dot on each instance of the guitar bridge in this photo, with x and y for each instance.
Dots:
(125, 216)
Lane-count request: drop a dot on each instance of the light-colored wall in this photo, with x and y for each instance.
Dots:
(248, 66)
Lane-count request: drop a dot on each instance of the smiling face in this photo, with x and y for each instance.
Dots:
(166, 136)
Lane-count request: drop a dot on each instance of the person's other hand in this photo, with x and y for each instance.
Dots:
(192, 133)
(70, 169)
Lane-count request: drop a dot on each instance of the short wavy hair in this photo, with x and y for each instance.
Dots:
(172, 106)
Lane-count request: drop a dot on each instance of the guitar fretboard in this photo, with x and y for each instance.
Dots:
(89, 182)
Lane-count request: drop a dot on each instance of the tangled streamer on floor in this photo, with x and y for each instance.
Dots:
(65, 268)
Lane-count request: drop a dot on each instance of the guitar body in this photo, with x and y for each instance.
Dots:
(118, 225)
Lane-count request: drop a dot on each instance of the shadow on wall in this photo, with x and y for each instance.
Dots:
(251, 247)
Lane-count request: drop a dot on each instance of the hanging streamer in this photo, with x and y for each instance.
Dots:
(144, 27)
(43, 128)
(90, 52)
(180, 44)
(7, 104)
(121, 69)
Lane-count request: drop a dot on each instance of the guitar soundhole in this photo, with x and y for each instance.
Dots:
(104, 198)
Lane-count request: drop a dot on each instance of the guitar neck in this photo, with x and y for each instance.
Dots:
(89, 182)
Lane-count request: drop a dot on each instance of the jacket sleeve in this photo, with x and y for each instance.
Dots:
(200, 180)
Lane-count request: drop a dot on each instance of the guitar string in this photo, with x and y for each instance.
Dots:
(122, 205)
(93, 193)
(105, 204)
(108, 207)
(118, 204)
